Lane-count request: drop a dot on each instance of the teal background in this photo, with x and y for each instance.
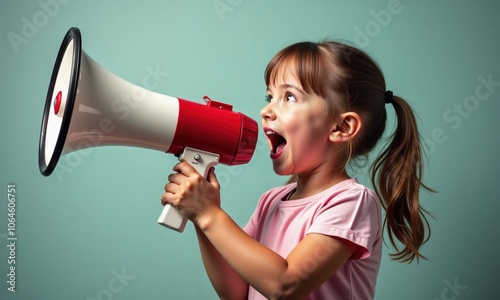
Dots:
(76, 232)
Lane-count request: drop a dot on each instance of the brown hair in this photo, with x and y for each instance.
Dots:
(350, 80)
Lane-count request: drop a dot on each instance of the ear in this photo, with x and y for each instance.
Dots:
(349, 126)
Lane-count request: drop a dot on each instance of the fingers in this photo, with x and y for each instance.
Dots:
(165, 198)
(188, 186)
(212, 178)
(172, 188)
(175, 183)
(185, 168)
(176, 178)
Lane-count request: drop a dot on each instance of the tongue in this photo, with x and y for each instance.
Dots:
(280, 147)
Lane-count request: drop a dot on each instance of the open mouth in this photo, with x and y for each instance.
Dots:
(278, 142)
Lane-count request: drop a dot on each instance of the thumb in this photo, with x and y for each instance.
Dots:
(212, 178)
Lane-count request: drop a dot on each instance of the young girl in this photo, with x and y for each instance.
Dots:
(319, 236)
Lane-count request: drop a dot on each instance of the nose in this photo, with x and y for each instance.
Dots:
(267, 112)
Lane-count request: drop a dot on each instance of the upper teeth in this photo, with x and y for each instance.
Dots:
(270, 132)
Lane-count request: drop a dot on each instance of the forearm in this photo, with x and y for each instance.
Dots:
(261, 267)
(227, 283)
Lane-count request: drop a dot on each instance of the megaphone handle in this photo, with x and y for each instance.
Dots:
(202, 161)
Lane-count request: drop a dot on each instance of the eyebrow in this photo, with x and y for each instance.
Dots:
(290, 86)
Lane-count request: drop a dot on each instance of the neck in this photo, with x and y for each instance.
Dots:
(311, 184)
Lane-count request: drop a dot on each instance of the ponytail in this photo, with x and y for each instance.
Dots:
(397, 178)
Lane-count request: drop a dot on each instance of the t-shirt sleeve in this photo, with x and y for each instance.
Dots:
(353, 215)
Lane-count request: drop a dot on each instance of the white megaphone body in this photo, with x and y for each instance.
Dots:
(85, 108)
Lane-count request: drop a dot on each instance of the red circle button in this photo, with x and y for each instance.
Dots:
(57, 102)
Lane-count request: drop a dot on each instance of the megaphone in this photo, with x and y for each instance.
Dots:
(88, 106)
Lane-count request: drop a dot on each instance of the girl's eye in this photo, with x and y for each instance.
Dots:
(269, 98)
(290, 98)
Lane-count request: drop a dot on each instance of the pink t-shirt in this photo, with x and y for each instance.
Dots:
(347, 210)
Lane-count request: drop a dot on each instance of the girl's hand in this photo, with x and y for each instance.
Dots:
(190, 193)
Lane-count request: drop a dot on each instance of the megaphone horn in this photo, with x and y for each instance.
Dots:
(88, 106)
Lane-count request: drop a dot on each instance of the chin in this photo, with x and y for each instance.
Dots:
(281, 171)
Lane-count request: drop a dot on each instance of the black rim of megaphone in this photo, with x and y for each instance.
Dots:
(73, 34)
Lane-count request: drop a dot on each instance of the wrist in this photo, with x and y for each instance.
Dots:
(205, 220)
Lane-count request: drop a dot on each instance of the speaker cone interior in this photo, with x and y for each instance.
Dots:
(60, 102)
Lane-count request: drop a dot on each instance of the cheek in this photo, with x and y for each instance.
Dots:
(307, 122)
(311, 138)
(313, 127)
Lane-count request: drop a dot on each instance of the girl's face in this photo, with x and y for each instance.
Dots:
(296, 127)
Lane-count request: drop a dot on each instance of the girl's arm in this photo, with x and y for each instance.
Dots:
(227, 283)
(316, 258)
(310, 264)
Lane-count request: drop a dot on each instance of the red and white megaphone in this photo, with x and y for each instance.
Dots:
(85, 108)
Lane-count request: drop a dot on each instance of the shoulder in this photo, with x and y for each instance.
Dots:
(348, 191)
(352, 212)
